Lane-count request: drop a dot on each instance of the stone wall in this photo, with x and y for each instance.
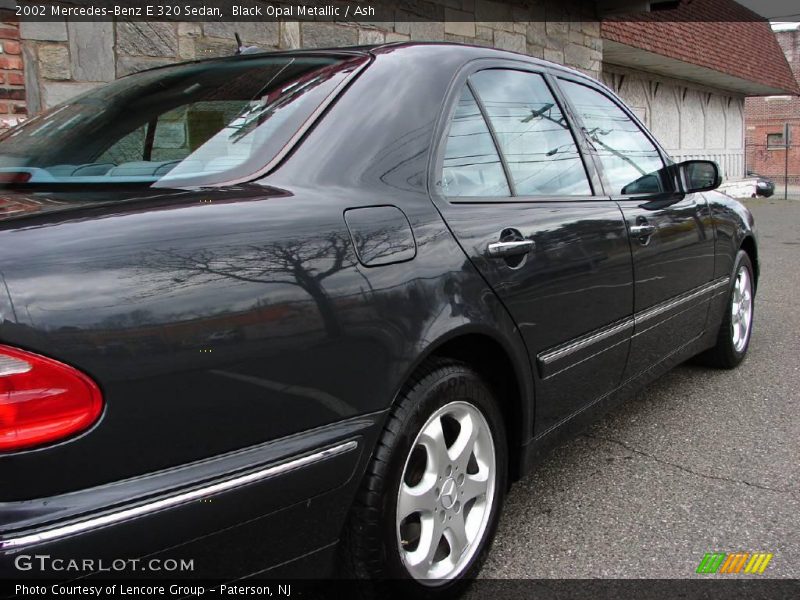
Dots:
(12, 83)
(64, 59)
(689, 120)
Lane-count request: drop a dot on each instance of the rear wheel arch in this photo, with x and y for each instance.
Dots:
(509, 380)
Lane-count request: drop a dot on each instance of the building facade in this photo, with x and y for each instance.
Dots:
(62, 59)
(692, 121)
(673, 74)
(766, 119)
(13, 106)
(689, 71)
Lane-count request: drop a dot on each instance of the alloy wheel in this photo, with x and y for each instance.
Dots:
(446, 493)
(741, 309)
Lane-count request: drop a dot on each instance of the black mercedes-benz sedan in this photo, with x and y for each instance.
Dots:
(310, 313)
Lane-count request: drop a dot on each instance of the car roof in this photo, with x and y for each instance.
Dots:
(469, 50)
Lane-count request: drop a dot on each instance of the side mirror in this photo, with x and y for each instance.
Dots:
(646, 184)
(699, 175)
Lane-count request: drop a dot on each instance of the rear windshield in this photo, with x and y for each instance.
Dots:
(191, 124)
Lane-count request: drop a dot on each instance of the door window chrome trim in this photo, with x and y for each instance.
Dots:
(133, 512)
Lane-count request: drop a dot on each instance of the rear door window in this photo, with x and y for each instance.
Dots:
(532, 133)
(472, 165)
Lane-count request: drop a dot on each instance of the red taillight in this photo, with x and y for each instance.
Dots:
(15, 177)
(42, 400)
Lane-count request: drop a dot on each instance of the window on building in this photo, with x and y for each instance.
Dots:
(631, 163)
(774, 140)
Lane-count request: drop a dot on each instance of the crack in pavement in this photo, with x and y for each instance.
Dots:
(688, 470)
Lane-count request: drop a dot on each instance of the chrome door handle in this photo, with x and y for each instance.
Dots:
(501, 249)
(642, 230)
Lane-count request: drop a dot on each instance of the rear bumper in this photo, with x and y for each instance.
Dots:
(235, 515)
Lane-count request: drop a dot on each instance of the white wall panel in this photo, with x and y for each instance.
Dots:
(688, 120)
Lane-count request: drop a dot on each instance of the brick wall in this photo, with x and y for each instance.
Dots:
(12, 79)
(780, 107)
(721, 35)
(771, 160)
(65, 59)
(764, 116)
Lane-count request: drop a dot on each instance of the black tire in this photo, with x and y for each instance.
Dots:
(369, 549)
(724, 354)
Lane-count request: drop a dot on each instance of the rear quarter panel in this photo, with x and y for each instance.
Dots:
(196, 321)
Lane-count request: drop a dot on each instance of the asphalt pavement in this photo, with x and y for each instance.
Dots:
(700, 461)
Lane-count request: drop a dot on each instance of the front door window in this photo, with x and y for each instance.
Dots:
(631, 162)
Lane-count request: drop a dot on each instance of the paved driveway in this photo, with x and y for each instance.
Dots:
(702, 460)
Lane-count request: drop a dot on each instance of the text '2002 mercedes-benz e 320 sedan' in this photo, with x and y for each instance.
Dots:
(322, 307)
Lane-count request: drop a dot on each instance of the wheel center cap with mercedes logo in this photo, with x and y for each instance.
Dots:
(448, 495)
